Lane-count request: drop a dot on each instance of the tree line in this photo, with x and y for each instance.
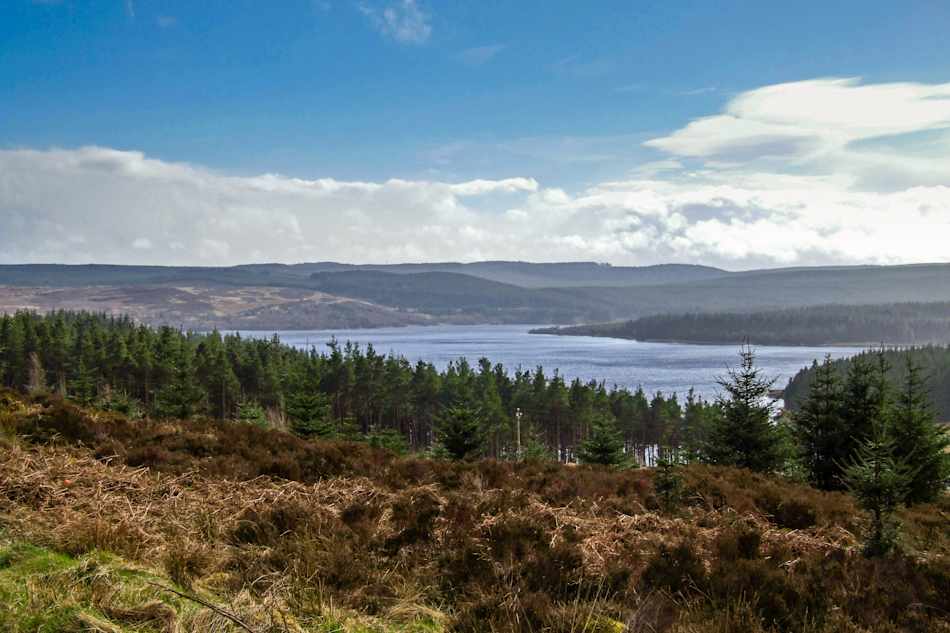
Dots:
(856, 427)
(897, 323)
(343, 391)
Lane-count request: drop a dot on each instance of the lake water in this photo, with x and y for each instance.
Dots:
(663, 367)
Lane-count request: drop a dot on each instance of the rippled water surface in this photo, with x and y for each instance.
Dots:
(665, 367)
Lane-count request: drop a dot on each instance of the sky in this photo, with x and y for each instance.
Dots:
(738, 134)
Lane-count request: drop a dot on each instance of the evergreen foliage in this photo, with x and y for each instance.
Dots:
(820, 430)
(460, 432)
(879, 483)
(604, 446)
(668, 484)
(743, 434)
(346, 390)
(918, 439)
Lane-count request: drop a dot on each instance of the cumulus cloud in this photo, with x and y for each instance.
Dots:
(778, 178)
(102, 205)
(403, 20)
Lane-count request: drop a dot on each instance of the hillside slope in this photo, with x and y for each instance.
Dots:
(426, 293)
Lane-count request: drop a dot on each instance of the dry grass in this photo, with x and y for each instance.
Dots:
(362, 538)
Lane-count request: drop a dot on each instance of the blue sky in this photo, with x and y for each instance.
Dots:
(568, 95)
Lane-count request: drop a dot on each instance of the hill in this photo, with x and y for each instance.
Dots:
(893, 324)
(783, 288)
(483, 292)
(446, 294)
(191, 525)
(524, 274)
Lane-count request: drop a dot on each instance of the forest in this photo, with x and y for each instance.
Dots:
(344, 391)
(891, 324)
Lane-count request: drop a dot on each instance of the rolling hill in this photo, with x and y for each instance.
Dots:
(270, 296)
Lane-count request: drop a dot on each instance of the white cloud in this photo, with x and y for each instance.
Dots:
(166, 21)
(829, 126)
(766, 183)
(402, 20)
(102, 205)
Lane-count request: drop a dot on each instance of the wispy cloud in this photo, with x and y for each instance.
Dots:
(130, 9)
(403, 20)
(576, 66)
(480, 55)
(698, 91)
(166, 21)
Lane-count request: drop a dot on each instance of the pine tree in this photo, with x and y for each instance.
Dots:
(310, 414)
(743, 434)
(182, 397)
(820, 431)
(459, 432)
(667, 483)
(918, 439)
(879, 484)
(604, 445)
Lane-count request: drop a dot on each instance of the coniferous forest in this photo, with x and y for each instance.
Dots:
(892, 324)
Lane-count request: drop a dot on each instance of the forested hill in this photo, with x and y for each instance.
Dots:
(934, 361)
(892, 324)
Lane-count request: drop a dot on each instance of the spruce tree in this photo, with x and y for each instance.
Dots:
(820, 430)
(743, 434)
(310, 415)
(667, 483)
(918, 440)
(879, 483)
(604, 445)
(459, 432)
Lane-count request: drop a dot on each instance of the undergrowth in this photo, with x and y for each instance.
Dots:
(292, 535)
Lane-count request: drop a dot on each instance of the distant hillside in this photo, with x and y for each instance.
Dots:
(448, 294)
(782, 288)
(894, 324)
(558, 275)
(524, 274)
(481, 292)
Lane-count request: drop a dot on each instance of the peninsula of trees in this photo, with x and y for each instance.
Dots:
(863, 325)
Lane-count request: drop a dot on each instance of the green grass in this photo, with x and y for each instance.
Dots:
(43, 591)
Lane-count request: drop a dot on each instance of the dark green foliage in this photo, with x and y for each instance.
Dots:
(820, 430)
(388, 439)
(460, 433)
(309, 415)
(743, 434)
(251, 413)
(347, 391)
(604, 446)
(900, 323)
(668, 484)
(879, 482)
(918, 440)
(933, 362)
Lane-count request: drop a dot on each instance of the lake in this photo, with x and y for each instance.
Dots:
(666, 367)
